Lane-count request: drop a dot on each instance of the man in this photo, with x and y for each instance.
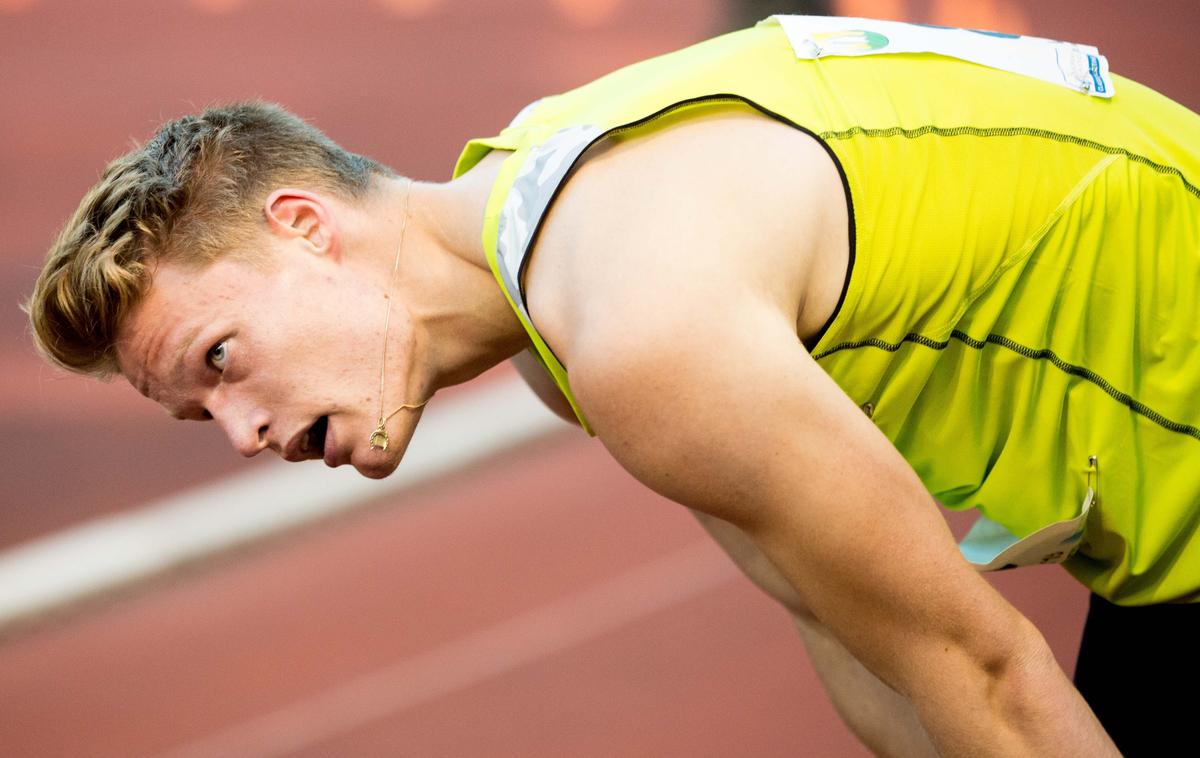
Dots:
(796, 295)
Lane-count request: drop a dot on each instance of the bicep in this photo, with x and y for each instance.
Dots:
(732, 417)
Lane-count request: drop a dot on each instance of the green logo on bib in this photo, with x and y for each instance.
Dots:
(850, 41)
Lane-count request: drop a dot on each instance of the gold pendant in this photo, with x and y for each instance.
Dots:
(379, 438)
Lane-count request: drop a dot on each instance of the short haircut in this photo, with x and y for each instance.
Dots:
(191, 194)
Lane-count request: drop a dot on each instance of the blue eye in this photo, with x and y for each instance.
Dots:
(217, 355)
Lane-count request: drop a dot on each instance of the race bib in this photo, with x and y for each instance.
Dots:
(1077, 67)
(991, 547)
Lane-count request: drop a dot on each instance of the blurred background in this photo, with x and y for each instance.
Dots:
(525, 598)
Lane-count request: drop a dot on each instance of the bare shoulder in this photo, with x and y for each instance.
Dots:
(714, 203)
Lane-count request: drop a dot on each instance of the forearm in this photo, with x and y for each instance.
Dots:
(886, 721)
(1021, 705)
(1033, 709)
(979, 676)
(878, 715)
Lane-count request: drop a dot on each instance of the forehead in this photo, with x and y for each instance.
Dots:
(180, 304)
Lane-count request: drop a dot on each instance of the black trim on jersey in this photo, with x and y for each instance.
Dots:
(1038, 354)
(1013, 131)
(722, 97)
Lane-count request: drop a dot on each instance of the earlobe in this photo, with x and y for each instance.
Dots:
(301, 215)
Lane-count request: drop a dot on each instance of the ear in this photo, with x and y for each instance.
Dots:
(302, 215)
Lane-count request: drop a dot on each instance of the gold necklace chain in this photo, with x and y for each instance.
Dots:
(379, 437)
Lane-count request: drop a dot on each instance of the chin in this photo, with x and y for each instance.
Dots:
(377, 469)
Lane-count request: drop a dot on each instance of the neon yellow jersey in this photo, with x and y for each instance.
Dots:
(1023, 288)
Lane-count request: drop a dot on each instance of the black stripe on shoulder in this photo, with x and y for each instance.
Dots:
(715, 97)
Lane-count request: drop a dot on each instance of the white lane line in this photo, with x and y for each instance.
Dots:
(110, 552)
(474, 658)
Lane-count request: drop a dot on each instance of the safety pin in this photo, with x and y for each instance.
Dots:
(1093, 469)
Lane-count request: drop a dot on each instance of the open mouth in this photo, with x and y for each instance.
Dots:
(314, 439)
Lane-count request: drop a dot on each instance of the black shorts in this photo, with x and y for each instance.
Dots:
(1138, 668)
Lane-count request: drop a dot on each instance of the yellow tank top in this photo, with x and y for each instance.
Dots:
(1022, 295)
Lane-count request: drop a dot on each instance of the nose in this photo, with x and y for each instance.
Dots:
(246, 429)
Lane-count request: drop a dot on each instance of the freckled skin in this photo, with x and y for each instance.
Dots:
(299, 343)
(303, 324)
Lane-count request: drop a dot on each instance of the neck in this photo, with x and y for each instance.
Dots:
(462, 324)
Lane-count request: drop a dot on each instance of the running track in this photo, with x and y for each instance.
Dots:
(539, 604)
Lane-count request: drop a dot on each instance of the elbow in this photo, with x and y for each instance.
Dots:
(1008, 686)
(1024, 683)
(1014, 670)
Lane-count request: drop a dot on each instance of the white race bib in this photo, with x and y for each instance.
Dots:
(991, 547)
(1078, 67)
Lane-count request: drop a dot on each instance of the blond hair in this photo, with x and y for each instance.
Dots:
(191, 194)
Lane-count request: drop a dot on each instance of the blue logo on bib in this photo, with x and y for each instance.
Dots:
(1094, 70)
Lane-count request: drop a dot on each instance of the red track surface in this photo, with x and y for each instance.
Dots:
(535, 606)
(666, 663)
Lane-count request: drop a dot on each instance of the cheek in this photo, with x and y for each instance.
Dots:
(342, 346)
(330, 338)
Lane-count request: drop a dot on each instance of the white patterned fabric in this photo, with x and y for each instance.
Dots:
(537, 180)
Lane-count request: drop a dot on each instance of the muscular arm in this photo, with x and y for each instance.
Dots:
(680, 333)
(877, 714)
(768, 443)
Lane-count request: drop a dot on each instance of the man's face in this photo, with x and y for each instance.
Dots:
(285, 358)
